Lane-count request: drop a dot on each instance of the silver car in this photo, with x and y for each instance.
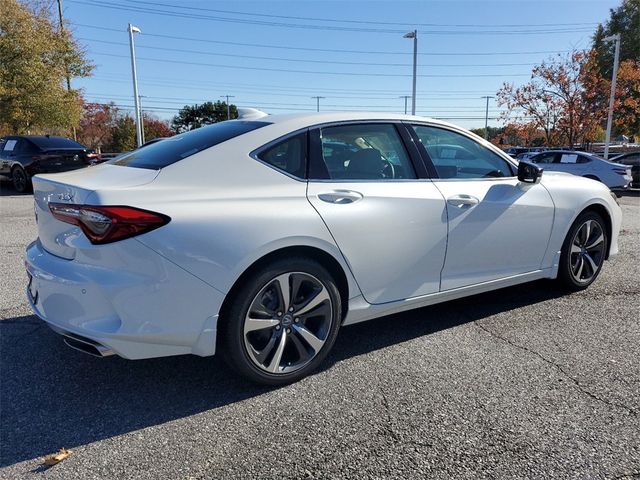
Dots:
(614, 175)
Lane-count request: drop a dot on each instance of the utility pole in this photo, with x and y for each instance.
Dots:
(136, 96)
(75, 135)
(405, 102)
(486, 118)
(317, 103)
(614, 77)
(414, 35)
(228, 107)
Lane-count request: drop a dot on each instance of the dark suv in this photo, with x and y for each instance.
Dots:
(22, 156)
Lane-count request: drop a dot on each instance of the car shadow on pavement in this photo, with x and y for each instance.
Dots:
(54, 397)
(6, 188)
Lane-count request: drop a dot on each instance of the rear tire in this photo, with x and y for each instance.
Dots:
(277, 336)
(21, 180)
(583, 252)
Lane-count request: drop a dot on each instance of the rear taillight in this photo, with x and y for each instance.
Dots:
(621, 171)
(108, 224)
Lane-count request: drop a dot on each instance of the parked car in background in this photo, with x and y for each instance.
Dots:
(261, 239)
(22, 156)
(515, 151)
(614, 175)
(630, 160)
(526, 155)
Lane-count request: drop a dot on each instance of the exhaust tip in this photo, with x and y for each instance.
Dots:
(88, 347)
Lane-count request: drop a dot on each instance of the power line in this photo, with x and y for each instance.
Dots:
(316, 72)
(304, 60)
(327, 50)
(367, 22)
(174, 14)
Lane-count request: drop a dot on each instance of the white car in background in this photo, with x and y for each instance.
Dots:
(261, 238)
(616, 176)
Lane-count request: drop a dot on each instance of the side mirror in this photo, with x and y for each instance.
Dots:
(529, 172)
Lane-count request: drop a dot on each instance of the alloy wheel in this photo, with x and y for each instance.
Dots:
(288, 322)
(587, 251)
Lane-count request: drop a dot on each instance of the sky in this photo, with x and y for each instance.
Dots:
(277, 55)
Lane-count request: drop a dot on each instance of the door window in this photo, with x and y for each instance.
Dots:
(365, 152)
(457, 156)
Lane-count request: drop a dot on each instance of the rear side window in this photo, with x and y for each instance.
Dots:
(289, 155)
(369, 151)
(174, 149)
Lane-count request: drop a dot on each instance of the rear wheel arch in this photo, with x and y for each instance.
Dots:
(312, 253)
(592, 177)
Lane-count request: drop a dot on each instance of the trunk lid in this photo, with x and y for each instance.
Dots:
(75, 187)
(62, 159)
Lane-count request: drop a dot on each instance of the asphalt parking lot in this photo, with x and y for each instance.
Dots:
(520, 383)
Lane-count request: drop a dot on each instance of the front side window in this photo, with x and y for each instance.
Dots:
(457, 156)
(289, 155)
(365, 152)
(173, 149)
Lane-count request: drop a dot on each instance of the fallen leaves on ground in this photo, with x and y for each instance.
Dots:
(56, 458)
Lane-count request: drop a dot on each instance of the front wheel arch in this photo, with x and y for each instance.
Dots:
(604, 213)
(592, 177)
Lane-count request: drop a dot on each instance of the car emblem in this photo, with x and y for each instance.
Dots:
(76, 158)
(67, 197)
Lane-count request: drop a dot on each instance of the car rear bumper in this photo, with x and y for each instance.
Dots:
(150, 308)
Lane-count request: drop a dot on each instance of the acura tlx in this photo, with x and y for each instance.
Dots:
(259, 238)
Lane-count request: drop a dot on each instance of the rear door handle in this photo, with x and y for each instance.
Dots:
(340, 197)
(462, 200)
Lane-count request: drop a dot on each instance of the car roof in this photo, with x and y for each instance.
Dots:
(47, 141)
(306, 119)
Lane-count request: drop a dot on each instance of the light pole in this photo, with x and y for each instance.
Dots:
(405, 102)
(614, 77)
(140, 97)
(414, 35)
(75, 135)
(486, 118)
(136, 96)
(228, 107)
(317, 102)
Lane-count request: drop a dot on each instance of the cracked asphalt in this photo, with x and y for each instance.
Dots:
(523, 382)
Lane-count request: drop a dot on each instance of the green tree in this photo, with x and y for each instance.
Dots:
(123, 136)
(35, 58)
(196, 116)
(624, 20)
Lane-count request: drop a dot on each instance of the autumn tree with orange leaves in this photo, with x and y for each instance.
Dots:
(555, 101)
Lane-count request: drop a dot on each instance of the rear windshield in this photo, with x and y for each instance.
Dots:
(49, 143)
(173, 149)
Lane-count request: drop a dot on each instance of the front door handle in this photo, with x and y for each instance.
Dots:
(340, 197)
(462, 201)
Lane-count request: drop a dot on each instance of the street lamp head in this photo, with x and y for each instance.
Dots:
(134, 29)
(612, 38)
(409, 35)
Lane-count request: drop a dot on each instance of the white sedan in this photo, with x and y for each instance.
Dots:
(261, 238)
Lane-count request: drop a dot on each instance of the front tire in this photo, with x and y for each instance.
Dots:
(282, 321)
(583, 252)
